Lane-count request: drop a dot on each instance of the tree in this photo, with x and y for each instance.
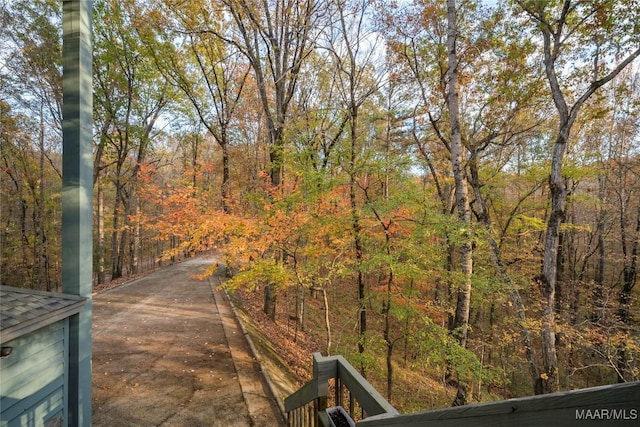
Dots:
(32, 86)
(352, 49)
(569, 28)
(130, 96)
(461, 319)
(618, 193)
(208, 71)
(276, 37)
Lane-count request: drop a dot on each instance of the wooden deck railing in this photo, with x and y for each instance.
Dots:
(337, 383)
(307, 406)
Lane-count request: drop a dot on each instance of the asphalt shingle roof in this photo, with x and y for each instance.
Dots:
(25, 310)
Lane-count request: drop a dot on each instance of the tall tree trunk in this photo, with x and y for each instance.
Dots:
(270, 300)
(125, 235)
(100, 244)
(460, 326)
(225, 189)
(97, 181)
(43, 257)
(598, 309)
(629, 279)
(547, 382)
(194, 158)
(386, 313)
(357, 233)
(461, 320)
(135, 251)
(117, 235)
(300, 307)
(407, 325)
(327, 321)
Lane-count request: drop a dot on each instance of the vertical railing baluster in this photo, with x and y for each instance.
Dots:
(314, 413)
(322, 404)
(350, 404)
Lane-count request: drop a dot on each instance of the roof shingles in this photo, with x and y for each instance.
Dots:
(25, 310)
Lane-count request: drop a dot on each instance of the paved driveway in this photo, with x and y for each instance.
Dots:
(168, 352)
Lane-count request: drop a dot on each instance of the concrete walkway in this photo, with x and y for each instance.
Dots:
(168, 352)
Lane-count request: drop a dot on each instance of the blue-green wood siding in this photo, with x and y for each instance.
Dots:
(33, 379)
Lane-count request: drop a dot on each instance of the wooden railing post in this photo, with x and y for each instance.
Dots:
(310, 401)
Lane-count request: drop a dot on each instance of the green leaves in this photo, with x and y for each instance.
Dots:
(441, 349)
(260, 273)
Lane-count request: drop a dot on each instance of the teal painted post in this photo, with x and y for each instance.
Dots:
(77, 198)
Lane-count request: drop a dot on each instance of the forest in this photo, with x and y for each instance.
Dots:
(444, 192)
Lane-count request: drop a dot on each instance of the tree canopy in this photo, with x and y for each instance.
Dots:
(443, 192)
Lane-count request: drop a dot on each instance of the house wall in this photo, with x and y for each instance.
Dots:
(34, 378)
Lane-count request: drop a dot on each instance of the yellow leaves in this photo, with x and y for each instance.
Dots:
(261, 272)
(544, 376)
(209, 271)
(532, 223)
